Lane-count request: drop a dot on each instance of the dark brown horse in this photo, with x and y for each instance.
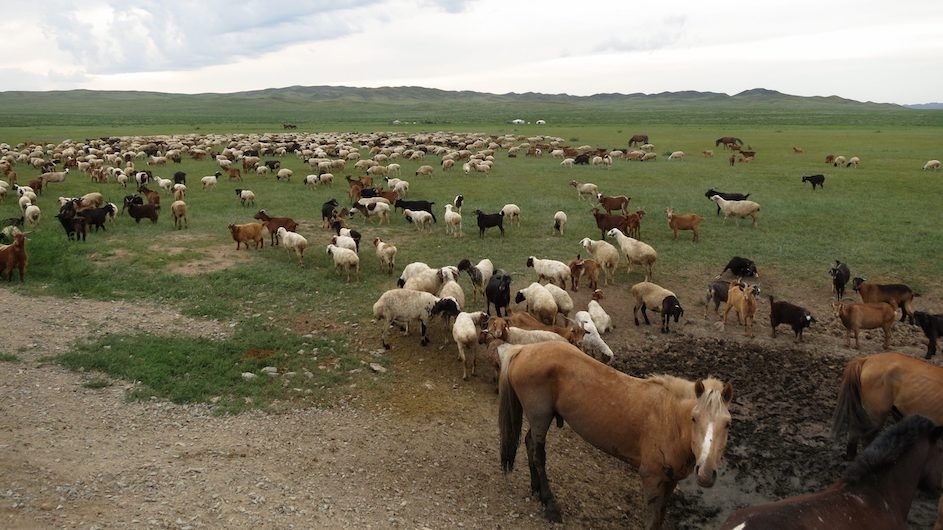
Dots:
(664, 427)
(638, 139)
(727, 140)
(875, 492)
(875, 386)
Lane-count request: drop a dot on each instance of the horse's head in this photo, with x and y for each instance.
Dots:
(710, 424)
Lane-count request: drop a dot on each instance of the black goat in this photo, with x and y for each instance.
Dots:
(741, 267)
(74, 225)
(726, 196)
(97, 216)
(717, 294)
(273, 164)
(498, 293)
(487, 220)
(785, 313)
(327, 211)
(932, 326)
(840, 276)
(425, 206)
(180, 177)
(140, 211)
(582, 159)
(815, 180)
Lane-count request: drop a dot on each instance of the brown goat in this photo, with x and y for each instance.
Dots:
(689, 221)
(14, 256)
(897, 295)
(606, 222)
(234, 173)
(274, 223)
(855, 317)
(620, 202)
(634, 223)
(743, 301)
(583, 267)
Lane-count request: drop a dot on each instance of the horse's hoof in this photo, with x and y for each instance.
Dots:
(553, 515)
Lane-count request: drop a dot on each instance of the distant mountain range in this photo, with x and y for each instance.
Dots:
(925, 106)
(317, 106)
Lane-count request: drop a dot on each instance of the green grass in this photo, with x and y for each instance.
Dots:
(882, 218)
(9, 358)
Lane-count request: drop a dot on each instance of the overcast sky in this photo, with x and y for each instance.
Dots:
(864, 50)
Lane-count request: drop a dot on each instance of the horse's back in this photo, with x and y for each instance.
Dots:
(910, 385)
(832, 509)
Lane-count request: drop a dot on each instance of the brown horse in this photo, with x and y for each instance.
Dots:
(663, 426)
(875, 492)
(876, 386)
(638, 139)
(727, 141)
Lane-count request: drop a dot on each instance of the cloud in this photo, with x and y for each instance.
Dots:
(663, 34)
(115, 36)
(449, 6)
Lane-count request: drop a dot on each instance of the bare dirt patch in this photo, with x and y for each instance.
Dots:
(214, 258)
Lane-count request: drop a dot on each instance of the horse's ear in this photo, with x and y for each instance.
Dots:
(727, 393)
(698, 388)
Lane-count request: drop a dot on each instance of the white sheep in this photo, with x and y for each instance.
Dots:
(344, 241)
(326, 179)
(653, 297)
(453, 222)
(538, 302)
(559, 222)
(592, 343)
(605, 255)
(420, 218)
(386, 253)
(262, 170)
(567, 162)
(284, 173)
(209, 182)
(24, 202)
(551, 270)
(512, 213)
(32, 213)
(246, 197)
(412, 270)
(465, 332)
(393, 169)
(932, 164)
(179, 211)
(585, 189)
(853, 162)
(311, 181)
(562, 299)
(165, 184)
(452, 289)
(292, 242)
(121, 179)
(431, 280)
(676, 155)
(402, 306)
(480, 275)
(635, 251)
(601, 319)
(424, 170)
(839, 161)
(346, 259)
(739, 209)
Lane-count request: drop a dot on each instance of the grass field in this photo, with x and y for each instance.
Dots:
(883, 218)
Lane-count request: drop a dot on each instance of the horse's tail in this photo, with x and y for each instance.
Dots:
(510, 414)
(850, 415)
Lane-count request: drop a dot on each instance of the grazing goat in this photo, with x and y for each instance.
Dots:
(840, 276)
(488, 220)
(140, 211)
(897, 295)
(74, 225)
(620, 202)
(272, 224)
(606, 222)
(858, 316)
(932, 326)
(14, 256)
(717, 293)
(684, 222)
(797, 317)
(96, 216)
(815, 180)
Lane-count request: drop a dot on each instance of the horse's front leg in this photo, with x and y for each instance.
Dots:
(537, 457)
(657, 488)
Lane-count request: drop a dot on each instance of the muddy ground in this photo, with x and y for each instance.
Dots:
(413, 448)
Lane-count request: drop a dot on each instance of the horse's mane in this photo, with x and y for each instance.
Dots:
(684, 389)
(888, 448)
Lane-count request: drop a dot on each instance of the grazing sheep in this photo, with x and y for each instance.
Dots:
(592, 343)
(246, 197)
(559, 222)
(410, 271)
(708, 153)
(179, 211)
(466, 332)
(538, 302)
(92, 200)
(839, 161)
(676, 155)
(636, 252)
(452, 289)
(796, 150)
(739, 209)
(650, 296)
(897, 295)
(567, 162)
(932, 326)
(402, 306)
(601, 319)
(386, 254)
(931, 164)
(743, 301)
(853, 162)
(209, 182)
(512, 213)
(550, 270)
(498, 292)
(346, 259)
(32, 214)
(562, 299)
(244, 233)
(858, 316)
(431, 280)
(479, 274)
(585, 189)
(797, 317)
(726, 195)
(840, 276)
(424, 170)
(292, 242)
(684, 222)
(605, 255)
(453, 222)
(420, 218)
(284, 174)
